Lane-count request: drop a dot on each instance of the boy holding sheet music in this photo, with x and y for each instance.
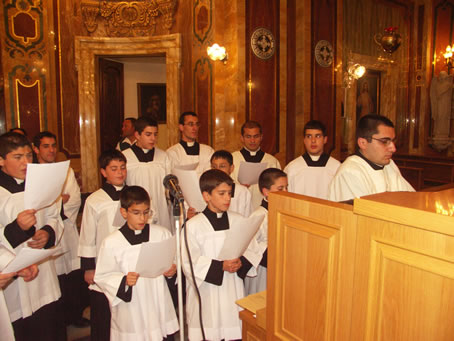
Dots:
(147, 167)
(100, 211)
(241, 197)
(32, 305)
(141, 307)
(219, 281)
(271, 180)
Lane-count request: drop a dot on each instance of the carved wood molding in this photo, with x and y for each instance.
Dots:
(128, 18)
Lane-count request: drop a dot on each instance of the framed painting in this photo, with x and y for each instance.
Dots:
(368, 94)
(151, 98)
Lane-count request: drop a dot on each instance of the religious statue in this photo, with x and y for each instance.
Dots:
(440, 100)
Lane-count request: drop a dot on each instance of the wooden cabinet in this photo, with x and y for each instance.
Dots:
(380, 270)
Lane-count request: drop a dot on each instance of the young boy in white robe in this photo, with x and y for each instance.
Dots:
(241, 197)
(311, 173)
(100, 211)
(271, 180)
(32, 305)
(147, 166)
(141, 307)
(220, 282)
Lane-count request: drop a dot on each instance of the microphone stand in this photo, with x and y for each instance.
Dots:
(177, 208)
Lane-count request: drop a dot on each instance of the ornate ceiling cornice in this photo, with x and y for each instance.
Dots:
(128, 18)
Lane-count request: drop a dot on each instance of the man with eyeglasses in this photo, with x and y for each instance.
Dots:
(370, 170)
(188, 150)
(251, 137)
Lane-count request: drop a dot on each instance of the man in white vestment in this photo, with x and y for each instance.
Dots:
(71, 279)
(128, 137)
(370, 170)
(188, 151)
(311, 173)
(251, 137)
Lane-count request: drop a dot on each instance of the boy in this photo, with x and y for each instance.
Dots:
(74, 291)
(241, 197)
(32, 305)
(147, 167)
(271, 180)
(311, 173)
(142, 308)
(100, 210)
(220, 282)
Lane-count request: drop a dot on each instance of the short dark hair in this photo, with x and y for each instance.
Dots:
(250, 125)
(142, 122)
(314, 124)
(183, 115)
(38, 137)
(368, 125)
(222, 154)
(132, 119)
(131, 195)
(213, 178)
(108, 155)
(269, 176)
(11, 141)
(14, 130)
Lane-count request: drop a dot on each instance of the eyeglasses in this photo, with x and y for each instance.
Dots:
(192, 124)
(146, 213)
(386, 141)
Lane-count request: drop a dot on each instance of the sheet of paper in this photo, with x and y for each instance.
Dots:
(155, 258)
(189, 184)
(253, 302)
(44, 183)
(239, 236)
(28, 256)
(249, 172)
(192, 166)
(118, 221)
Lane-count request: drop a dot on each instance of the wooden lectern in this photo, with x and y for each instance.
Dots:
(382, 269)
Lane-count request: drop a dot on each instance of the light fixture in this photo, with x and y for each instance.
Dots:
(216, 52)
(448, 57)
(354, 71)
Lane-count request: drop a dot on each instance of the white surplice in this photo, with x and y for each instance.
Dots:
(241, 201)
(356, 178)
(220, 312)
(150, 175)
(271, 162)
(97, 223)
(69, 260)
(178, 157)
(256, 284)
(24, 298)
(308, 180)
(150, 314)
(6, 329)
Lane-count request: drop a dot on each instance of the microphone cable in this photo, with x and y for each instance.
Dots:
(193, 276)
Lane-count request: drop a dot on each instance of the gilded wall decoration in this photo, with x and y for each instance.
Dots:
(203, 19)
(24, 28)
(203, 97)
(128, 18)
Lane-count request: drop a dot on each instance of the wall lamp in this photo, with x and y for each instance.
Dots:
(216, 52)
(354, 71)
(448, 58)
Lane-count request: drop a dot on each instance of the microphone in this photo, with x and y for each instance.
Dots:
(170, 182)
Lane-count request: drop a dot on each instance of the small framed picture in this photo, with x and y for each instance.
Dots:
(368, 94)
(151, 98)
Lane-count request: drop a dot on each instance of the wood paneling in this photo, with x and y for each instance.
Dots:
(262, 103)
(324, 26)
(291, 80)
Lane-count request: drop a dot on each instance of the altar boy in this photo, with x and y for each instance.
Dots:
(220, 282)
(270, 180)
(32, 305)
(141, 307)
(100, 211)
